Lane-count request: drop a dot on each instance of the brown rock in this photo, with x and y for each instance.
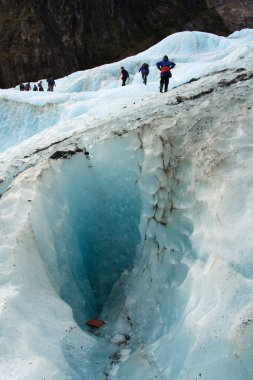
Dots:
(181, 99)
(95, 323)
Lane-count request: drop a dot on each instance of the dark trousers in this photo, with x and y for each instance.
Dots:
(144, 77)
(124, 81)
(164, 81)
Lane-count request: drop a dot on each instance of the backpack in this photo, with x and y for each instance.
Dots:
(145, 66)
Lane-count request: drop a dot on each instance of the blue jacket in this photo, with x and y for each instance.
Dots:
(165, 63)
(144, 69)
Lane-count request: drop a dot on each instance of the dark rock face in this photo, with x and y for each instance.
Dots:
(38, 37)
(236, 14)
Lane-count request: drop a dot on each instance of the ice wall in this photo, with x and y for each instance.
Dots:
(192, 317)
(20, 120)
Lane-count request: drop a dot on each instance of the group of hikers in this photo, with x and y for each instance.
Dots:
(165, 66)
(38, 87)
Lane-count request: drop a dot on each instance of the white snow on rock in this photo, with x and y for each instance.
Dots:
(134, 207)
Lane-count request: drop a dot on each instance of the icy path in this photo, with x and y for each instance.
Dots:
(150, 231)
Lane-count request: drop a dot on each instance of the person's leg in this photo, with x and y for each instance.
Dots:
(123, 81)
(145, 78)
(166, 81)
(161, 84)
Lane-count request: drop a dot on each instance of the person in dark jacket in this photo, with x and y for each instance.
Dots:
(51, 84)
(35, 88)
(40, 87)
(144, 72)
(124, 75)
(22, 87)
(165, 66)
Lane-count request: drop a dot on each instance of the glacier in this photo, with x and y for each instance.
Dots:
(131, 206)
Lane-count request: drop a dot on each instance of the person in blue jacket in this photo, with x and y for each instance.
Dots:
(165, 66)
(144, 72)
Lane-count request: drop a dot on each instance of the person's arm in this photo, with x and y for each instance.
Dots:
(159, 65)
(172, 65)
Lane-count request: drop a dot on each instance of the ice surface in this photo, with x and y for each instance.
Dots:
(125, 205)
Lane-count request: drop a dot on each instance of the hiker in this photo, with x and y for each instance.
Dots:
(27, 86)
(124, 75)
(165, 66)
(35, 88)
(51, 83)
(22, 87)
(144, 72)
(40, 86)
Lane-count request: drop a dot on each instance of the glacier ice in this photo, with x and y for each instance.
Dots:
(124, 205)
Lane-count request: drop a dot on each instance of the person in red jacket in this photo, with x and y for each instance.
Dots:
(27, 86)
(165, 66)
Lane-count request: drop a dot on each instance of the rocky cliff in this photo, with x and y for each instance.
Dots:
(38, 37)
(236, 14)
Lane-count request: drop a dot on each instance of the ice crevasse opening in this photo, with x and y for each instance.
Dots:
(92, 210)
